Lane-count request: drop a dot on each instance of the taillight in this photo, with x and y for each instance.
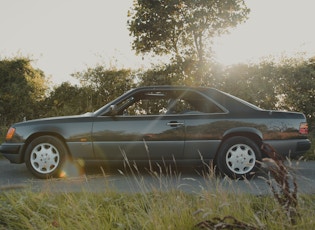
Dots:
(303, 128)
(10, 134)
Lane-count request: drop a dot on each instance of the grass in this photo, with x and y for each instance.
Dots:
(156, 210)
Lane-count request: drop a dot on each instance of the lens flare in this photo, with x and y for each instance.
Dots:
(72, 168)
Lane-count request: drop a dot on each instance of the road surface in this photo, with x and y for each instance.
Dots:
(93, 178)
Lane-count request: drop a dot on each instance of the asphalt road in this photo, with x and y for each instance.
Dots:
(93, 178)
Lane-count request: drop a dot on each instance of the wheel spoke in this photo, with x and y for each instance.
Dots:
(240, 159)
(45, 158)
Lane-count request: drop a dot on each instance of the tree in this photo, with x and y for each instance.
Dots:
(286, 84)
(183, 29)
(162, 75)
(106, 84)
(67, 99)
(296, 81)
(21, 89)
(255, 83)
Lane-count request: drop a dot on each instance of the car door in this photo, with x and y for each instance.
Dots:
(203, 135)
(204, 124)
(139, 136)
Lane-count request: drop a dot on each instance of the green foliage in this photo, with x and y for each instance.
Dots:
(22, 88)
(161, 75)
(254, 83)
(107, 84)
(67, 99)
(182, 27)
(3, 132)
(296, 81)
(288, 84)
(183, 30)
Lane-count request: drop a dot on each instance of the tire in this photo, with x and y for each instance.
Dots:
(238, 157)
(45, 156)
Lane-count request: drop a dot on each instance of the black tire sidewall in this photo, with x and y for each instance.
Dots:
(226, 145)
(58, 144)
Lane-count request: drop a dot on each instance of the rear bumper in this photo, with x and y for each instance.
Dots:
(13, 152)
(290, 148)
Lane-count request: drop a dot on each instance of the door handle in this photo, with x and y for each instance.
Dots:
(175, 123)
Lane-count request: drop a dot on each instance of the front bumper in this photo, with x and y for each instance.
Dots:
(290, 148)
(13, 152)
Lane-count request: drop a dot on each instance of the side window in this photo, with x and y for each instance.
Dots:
(194, 103)
(179, 106)
(205, 106)
(168, 102)
(147, 106)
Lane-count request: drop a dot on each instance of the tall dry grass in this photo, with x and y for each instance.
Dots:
(162, 207)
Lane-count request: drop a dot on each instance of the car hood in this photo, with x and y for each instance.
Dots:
(55, 118)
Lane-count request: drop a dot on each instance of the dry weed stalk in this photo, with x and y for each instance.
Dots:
(281, 189)
(228, 222)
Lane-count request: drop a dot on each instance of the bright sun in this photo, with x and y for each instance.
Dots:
(279, 27)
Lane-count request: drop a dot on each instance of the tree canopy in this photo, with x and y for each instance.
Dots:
(296, 86)
(22, 88)
(183, 29)
(106, 83)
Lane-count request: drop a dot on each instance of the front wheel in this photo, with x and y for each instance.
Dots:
(238, 157)
(44, 156)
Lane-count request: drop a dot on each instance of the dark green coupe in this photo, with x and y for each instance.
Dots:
(161, 124)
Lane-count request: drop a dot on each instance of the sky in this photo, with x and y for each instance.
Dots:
(67, 36)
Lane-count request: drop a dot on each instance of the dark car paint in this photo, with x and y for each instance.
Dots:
(101, 136)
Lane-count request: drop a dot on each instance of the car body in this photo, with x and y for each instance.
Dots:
(186, 125)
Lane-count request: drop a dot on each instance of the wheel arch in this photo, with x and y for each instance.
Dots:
(39, 134)
(249, 132)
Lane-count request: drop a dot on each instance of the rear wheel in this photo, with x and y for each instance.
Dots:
(45, 156)
(238, 157)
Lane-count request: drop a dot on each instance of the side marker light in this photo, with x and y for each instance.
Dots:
(10, 134)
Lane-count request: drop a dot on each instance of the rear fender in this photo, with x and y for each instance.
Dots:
(249, 132)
